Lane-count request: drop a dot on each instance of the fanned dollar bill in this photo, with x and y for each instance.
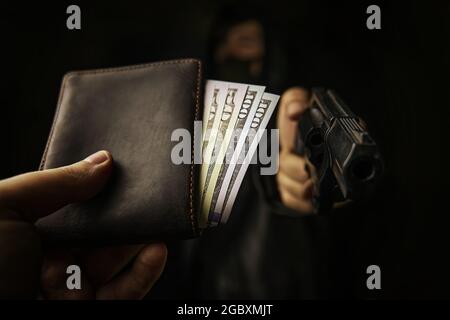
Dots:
(235, 115)
(220, 135)
(213, 104)
(227, 195)
(239, 134)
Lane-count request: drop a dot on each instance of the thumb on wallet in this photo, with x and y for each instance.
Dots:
(36, 194)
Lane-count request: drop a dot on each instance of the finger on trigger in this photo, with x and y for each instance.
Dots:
(292, 186)
(294, 166)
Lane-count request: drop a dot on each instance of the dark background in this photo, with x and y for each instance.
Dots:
(396, 78)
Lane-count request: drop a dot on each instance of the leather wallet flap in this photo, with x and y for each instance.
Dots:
(131, 112)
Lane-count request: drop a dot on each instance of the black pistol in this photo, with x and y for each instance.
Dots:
(335, 141)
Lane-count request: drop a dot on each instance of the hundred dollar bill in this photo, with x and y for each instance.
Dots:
(215, 95)
(233, 178)
(239, 132)
(214, 90)
(235, 93)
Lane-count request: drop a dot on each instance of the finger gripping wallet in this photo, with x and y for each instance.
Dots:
(131, 112)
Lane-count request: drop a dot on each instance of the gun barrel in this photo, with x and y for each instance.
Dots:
(340, 148)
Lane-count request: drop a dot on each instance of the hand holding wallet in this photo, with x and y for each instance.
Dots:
(131, 112)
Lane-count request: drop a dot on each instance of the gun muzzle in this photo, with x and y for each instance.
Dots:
(346, 158)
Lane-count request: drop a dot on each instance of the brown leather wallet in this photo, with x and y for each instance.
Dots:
(131, 112)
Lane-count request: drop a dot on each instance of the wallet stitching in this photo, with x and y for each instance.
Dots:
(128, 68)
(191, 185)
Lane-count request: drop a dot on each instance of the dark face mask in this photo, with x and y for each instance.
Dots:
(236, 71)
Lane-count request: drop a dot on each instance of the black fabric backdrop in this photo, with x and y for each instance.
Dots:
(396, 78)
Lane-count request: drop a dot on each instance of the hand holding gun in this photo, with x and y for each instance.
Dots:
(327, 156)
